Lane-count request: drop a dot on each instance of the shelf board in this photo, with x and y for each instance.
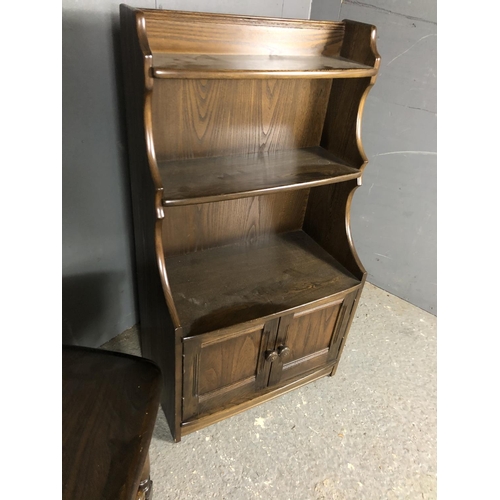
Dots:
(205, 66)
(203, 180)
(224, 286)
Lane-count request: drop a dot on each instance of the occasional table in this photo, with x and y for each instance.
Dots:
(109, 405)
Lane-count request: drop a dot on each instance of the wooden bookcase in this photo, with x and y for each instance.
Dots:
(245, 151)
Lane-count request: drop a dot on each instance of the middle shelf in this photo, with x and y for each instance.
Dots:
(224, 286)
(202, 180)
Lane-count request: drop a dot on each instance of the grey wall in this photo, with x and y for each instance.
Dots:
(98, 271)
(272, 8)
(98, 278)
(393, 214)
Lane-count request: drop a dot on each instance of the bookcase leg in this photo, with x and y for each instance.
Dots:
(145, 491)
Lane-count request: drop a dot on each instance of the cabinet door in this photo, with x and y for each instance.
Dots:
(222, 369)
(310, 339)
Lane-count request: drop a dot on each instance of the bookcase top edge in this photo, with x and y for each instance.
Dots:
(237, 18)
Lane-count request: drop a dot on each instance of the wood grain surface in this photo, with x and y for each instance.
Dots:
(158, 339)
(200, 118)
(196, 33)
(245, 152)
(109, 406)
(342, 130)
(311, 331)
(244, 402)
(223, 368)
(327, 221)
(224, 363)
(252, 66)
(191, 228)
(219, 178)
(228, 285)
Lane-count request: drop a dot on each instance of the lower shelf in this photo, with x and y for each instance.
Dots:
(224, 286)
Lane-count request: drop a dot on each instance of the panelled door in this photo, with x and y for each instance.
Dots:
(222, 369)
(310, 339)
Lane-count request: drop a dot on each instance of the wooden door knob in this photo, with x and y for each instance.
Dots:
(284, 351)
(271, 356)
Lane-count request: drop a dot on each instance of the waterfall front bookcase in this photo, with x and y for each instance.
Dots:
(245, 151)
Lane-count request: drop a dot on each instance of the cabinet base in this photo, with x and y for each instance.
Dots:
(200, 423)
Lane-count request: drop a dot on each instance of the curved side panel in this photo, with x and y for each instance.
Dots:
(153, 168)
(348, 231)
(373, 58)
(360, 43)
(327, 221)
(342, 129)
(342, 136)
(359, 120)
(160, 255)
(159, 339)
(374, 50)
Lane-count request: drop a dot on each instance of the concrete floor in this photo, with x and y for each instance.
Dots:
(367, 433)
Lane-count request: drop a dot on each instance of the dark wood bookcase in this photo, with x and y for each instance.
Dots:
(245, 151)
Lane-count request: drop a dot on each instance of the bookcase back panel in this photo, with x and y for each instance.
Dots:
(202, 118)
(192, 228)
(183, 32)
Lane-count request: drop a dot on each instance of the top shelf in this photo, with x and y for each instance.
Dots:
(225, 66)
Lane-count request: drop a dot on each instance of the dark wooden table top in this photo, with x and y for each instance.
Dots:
(110, 402)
